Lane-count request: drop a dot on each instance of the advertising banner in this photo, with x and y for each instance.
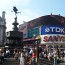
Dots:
(53, 38)
(33, 31)
(52, 29)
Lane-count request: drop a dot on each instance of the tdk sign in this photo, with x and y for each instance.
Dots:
(52, 30)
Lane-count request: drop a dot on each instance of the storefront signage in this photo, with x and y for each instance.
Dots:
(52, 30)
(53, 38)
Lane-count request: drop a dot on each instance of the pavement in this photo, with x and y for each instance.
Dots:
(12, 61)
(62, 63)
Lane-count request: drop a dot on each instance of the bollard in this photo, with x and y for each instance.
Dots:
(55, 59)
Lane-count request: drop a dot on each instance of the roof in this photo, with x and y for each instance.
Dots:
(47, 20)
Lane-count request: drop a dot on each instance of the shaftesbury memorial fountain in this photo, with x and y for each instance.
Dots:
(14, 38)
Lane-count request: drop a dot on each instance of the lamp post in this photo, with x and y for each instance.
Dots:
(34, 52)
(34, 40)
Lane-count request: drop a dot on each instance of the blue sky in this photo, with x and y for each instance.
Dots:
(30, 9)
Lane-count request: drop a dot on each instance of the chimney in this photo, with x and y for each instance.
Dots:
(3, 15)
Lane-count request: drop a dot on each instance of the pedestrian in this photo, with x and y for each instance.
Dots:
(7, 52)
(22, 60)
(49, 56)
(31, 51)
(16, 55)
(34, 58)
(2, 55)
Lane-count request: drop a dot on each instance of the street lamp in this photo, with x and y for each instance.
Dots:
(34, 41)
(34, 53)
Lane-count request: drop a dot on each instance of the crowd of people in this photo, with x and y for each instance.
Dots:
(32, 55)
(4, 54)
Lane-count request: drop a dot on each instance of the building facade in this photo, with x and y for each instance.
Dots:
(49, 28)
(2, 28)
(23, 28)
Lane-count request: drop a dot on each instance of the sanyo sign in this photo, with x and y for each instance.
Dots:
(52, 30)
(53, 38)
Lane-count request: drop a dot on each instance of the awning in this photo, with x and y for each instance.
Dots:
(34, 44)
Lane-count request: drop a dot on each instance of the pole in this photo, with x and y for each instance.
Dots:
(34, 59)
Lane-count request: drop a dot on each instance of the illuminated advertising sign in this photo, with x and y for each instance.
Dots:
(33, 31)
(52, 30)
(53, 38)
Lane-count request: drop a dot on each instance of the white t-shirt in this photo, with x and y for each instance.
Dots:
(7, 51)
(31, 51)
